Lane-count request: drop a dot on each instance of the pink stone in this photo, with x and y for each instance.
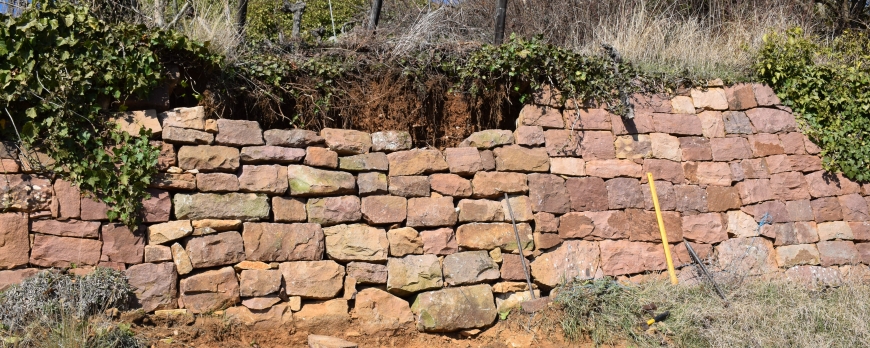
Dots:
(515, 158)
(624, 193)
(512, 267)
(575, 225)
(154, 285)
(286, 209)
(740, 97)
(712, 125)
(854, 208)
(587, 194)
(13, 277)
(691, 199)
(714, 173)
(167, 157)
(52, 251)
(528, 136)
(624, 257)
(217, 182)
(695, 149)
(763, 144)
(372, 183)
(547, 193)
(122, 245)
(837, 253)
(665, 192)
(755, 190)
(827, 209)
(793, 143)
(416, 162)
(729, 149)
(71, 228)
(270, 242)
(563, 143)
(333, 210)
(805, 163)
(765, 95)
(776, 211)
(292, 138)
(94, 209)
(347, 141)
(544, 116)
(678, 124)
(384, 209)
(321, 157)
(441, 241)
(789, 186)
(254, 283)
(800, 210)
(609, 224)
(14, 240)
(218, 249)
(767, 120)
(157, 207)
(587, 119)
(641, 123)
(271, 154)
(662, 169)
(597, 145)
(722, 198)
(431, 212)
(269, 179)
(463, 160)
(450, 185)
(68, 199)
(209, 291)
(613, 168)
(778, 164)
(704, 228)
(409, 186)
(495, 184)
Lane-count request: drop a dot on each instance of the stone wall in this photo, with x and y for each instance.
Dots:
(294, 227)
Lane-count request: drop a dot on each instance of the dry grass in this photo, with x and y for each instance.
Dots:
(761, 313)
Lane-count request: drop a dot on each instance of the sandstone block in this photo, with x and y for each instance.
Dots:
(307, 181)
(679, 124)
(441, 241)
(181, 259)
(71, 228)
(270, 154)
(664, 170)
(779, 164)
(480, 210)
(520, 159)
(665, 146)
(755, 190)
(764, 144)
(768, 120)
(14, 240)
(729, 149)
(254, 283)
(313, 279)
(409, 186)
(488, 236)
(450, 185)
(469, 267)
(710, 99)
(682, 105)
(634, 146)
(216, 250)
(230, 206)
(52, 251)
(67, 200)
(740, 97)
(544, 116)
(495, 184)
(805, 163)
(624, 193)
(322, 315)
(854, 207)
(827, 209)
(283, 242)
(512, 268)
(333, 210)
(390, 141)
(364, 162)
(665, 191)
(643, 226)
(528, 136)
(210, 290)
(133, 121)
(837, 252)
(587, 194)
(431, 212)
(690, 199)
(321, 157)
(25, 192)
(563, 143)
(384, 209)
(208, 158)
(695, 149)
(793, 143)
(575, 225)
(624, 257)
(413, 273)
(168, 181)
(574, 259)
(463, 160)
(722, 198)
(217, 182)
(169, 231)
(267, 318)
(192, 118)
(713, 173)
(157, 253)
(122, 245)
(613, 168)
(346, 141)
(546, 240)
(372, 184)
(157, 207)
(270, 179)
(712, 125)
(488, 139)
(597, 145)
(800, 210)
(796, 233)
(286, 209)
(13, 277)
(404, 241)
(547, 193)
(175, 135)
(357, 242)
(640, 124)
(367, 273)
(732, 255)
(167, 157)
(292, 138)
(835, 230)
(793, 255)
(741, 225)
(416, 162)
(154, 285)
(379, 311)
(765, 95)
(823, 184)
(704, 228)
(789, 186)
(545, 222)
(587, 119)
(455, 309)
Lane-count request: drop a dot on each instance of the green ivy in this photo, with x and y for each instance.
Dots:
(266, 20)
(828, 87)
(62, 72)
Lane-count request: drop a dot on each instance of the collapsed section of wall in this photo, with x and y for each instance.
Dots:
(294, 227)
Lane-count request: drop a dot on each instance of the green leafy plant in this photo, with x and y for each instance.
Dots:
(63, 73)
(828, 87)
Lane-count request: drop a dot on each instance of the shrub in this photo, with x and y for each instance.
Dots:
(827, 84)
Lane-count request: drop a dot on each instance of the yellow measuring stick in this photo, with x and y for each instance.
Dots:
(655, 197)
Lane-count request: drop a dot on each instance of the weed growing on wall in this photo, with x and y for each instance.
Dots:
(62, 72)
(828, 87)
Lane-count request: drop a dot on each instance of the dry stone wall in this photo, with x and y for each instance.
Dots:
(295, 227)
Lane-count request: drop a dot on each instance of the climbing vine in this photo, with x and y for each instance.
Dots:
(63, 73)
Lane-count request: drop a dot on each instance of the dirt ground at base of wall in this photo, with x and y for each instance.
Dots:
(519, 330)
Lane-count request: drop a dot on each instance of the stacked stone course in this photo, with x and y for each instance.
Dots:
(295, 227)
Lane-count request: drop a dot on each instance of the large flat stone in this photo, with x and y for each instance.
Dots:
(271, 242)
(14, 240)
(307, 181)
(469, 267)
(216, 250)
(573, 259)
(416, 162)
(379, 311)
(208, 158)
(230, 206)
(333, 210)
(431, 212)
(488, 236)
(210, 291)
(413, 273)
(154, 285)
(313, 279)
(357, 242)
(454, 309)
(347, 141)
(120, 244)
(271, 179)
(52, 251)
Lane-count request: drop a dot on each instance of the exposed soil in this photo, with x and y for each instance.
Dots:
(520, 330)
